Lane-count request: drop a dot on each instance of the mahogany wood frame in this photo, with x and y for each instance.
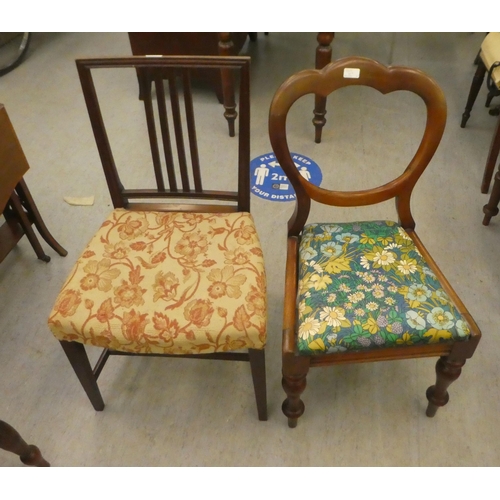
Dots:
(11, 440)
(153, 70)
(452, 355)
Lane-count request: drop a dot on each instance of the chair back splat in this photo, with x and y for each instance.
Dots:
(171, 130)
(176, 269)
(367, 290)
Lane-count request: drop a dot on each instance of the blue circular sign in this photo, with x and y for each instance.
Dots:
(268, 180)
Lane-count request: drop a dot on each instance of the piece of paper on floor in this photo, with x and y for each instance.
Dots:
(80, 201)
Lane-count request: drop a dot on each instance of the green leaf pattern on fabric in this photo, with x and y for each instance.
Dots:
(365, 285)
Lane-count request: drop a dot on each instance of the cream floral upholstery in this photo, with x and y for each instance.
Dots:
(169, 283)
(365, 285)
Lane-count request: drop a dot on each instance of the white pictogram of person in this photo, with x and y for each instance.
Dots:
(261, 172)
(305, 173)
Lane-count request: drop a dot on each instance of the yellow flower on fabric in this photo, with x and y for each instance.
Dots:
(99, 275)
(378, 291)
(383, 258)
(320, 282)
(337, 265)
(407, 266)
(372, 306)
(356, 297)
(405, 339)
(309, 327)
(434, 335)
(371, 326)
(334, 316)
(225, 282)
(365, 239)
(385, 240)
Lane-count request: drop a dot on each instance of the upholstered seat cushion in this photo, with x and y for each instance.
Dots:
(365, 285)
(173, 283)
(490, 53)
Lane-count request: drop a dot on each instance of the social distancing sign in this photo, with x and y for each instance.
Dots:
(268, 180)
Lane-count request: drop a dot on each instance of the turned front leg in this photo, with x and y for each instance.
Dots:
(295, 371)
(447, 371)
(12, 441)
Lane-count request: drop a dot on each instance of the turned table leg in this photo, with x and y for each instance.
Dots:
(477, 81)
(492, 159)
(226, 48)
(12, 441)
(323, 57)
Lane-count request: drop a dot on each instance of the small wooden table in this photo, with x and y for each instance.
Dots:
(16, 203)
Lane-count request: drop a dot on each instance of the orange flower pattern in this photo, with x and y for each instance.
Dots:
(171, 283)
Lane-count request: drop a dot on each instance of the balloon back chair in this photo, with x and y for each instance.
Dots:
(176, 269)
(368, 290)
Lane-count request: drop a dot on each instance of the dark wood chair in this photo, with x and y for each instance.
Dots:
(489, 54)
(176, 270)
(11, 440)
(16, 203)
(365, 291)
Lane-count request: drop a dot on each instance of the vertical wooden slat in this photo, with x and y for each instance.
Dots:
(193, 144)
(150, 120)
(244, 140)
(165, 133)
(179, 138)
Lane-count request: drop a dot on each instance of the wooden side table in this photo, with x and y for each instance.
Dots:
(16, 203)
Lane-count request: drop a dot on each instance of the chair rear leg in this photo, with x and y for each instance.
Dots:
(258, 368)
(81, 364)
(447, 371)
(294, 371)
(477, 81)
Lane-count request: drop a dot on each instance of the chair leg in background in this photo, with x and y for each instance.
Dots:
(477, 81)
(80, 362)
(323, 57)
(258, 368)
(492, 159)
(491, 208)
(447, 371)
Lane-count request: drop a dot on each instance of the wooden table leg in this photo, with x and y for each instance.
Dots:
(323, 57)
(491, 208)
(226, 48)
(12, 441)
(477, 81)
(492, 159)
(36, 218)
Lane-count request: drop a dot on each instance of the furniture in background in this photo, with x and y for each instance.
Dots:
(11, 440)
(197, 43)
(16, 203)
(177, 270)
(489, 54)
(224, 44)
(340, 275)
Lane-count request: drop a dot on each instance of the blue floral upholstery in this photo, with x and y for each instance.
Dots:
(365, 285)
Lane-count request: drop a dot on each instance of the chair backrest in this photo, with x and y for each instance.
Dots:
(13, 163)
(343, 73)
(172, 131)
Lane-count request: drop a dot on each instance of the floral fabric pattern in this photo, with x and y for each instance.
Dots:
(365, 285)
(171, 283)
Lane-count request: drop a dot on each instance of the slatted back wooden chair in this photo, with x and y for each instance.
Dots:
(175, 270)
(368, 290)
